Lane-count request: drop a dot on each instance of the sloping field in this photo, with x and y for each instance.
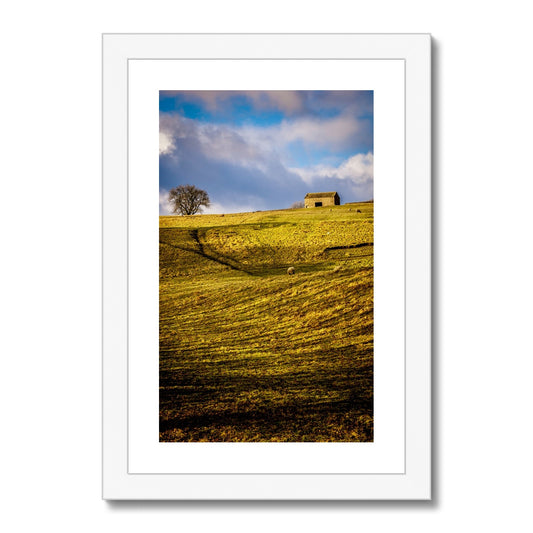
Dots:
(250, 353)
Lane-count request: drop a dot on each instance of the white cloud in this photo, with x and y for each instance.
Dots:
(226, 144)
(215, 141)
(166, 144)
(359, 169)
(334, 132)
(164, 205)
(254, 146)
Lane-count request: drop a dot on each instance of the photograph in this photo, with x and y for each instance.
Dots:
(266, 266)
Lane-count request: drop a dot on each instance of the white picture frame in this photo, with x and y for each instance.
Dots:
(410, 476)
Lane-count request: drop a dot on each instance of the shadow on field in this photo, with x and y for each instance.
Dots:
(319, 404)
(202, 253)
(275, 418)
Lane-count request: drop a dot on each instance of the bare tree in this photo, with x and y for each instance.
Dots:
(187, 199)
(298, 205)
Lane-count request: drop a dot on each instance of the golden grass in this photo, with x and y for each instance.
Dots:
(249, 353)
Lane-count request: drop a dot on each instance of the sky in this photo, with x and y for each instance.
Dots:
(262, 150)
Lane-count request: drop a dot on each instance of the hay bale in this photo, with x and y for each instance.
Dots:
(291, 271)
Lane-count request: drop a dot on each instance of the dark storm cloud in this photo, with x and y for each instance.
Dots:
(232, 185)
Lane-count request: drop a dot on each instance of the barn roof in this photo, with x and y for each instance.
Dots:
(320, 194)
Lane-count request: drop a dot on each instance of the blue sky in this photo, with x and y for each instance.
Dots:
(259, 150)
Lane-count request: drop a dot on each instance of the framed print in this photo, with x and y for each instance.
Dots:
(266, 266)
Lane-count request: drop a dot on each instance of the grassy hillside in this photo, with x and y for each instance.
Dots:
(250, 353)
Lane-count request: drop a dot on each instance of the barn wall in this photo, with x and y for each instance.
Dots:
(326, 201)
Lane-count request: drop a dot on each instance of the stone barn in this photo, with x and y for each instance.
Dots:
(322, 199)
